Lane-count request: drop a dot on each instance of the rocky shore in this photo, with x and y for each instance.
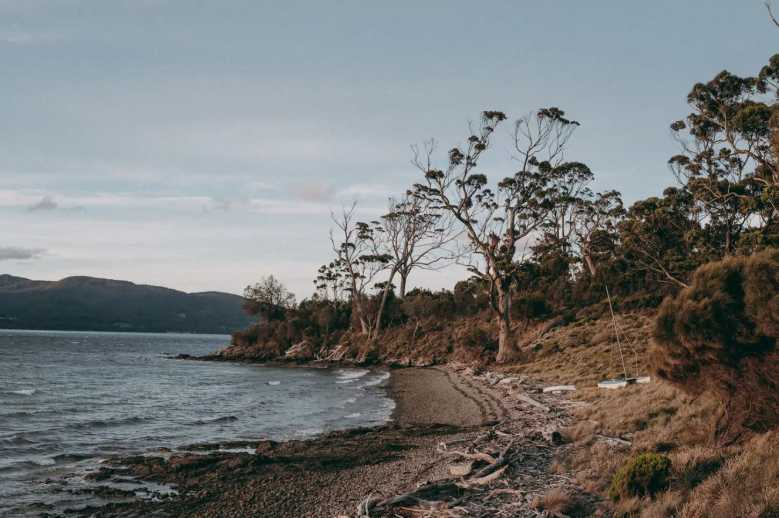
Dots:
(458, 439)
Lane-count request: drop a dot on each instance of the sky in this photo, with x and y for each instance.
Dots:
(202, 145)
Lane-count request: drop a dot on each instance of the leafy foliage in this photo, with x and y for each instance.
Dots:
(268, 298)
(719, 336)
(643, 475)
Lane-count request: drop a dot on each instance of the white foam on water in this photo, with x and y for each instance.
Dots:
(23, 392)
(377, 380)
(351, 374)
(353, 416)
(274, 383)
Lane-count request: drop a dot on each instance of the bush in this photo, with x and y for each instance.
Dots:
(719, 336)
(643, 475)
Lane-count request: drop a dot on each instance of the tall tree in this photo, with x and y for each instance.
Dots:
(411, 235)
(728, 161)
(495, 220)
(661, 237)
(268, 298)
(359, 264)
(417, 235)
(595, 220)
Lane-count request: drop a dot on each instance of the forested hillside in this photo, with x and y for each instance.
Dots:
(93, 304)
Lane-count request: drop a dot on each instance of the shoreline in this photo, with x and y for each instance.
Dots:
(327, 475)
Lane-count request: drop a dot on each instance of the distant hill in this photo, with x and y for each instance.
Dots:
(93, 304)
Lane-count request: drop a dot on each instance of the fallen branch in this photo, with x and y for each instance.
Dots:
(481, 481)
(484, 457)
(613, 440)
(531, 401)
(420, 494)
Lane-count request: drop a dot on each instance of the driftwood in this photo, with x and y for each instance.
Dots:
(422, 494)
(494, 472)
(531, 401)
(559, 388)
(615, 441)
(486, 479)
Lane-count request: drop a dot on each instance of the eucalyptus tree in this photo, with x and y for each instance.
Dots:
(411, 235)
(416, 235)
(356, 262)
(495, 220)
(330, 282)
(729, 154)
(594, 226)
(268, 298)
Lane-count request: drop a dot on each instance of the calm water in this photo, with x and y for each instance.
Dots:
(70, 399)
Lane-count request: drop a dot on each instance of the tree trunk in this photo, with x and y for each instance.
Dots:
(379, 313)
(508, 350)
(403, 277)
(590, 264)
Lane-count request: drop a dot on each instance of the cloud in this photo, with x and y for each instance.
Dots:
(8, 253)
(366, 191)
(45, 203)
(313, 192)
(25, 39)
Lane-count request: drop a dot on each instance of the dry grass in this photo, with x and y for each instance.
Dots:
(555, 500)
(558, 502)
(741, 480)
(585, 352)
(747, 486)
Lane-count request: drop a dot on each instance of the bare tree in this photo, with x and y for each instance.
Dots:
(411, 235)
(495, 221)
(417, 236)
(354, 247)
(771, 13)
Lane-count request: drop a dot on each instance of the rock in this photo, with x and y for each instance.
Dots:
(265, 447)
(300, 351)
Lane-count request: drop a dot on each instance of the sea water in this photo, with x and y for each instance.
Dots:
(70, 400)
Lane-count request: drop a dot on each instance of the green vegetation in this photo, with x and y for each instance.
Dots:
(643, 475)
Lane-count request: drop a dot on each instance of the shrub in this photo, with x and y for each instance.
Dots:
(719, 336)
(643, 475)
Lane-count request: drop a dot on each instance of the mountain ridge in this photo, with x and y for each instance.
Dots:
(87, 303)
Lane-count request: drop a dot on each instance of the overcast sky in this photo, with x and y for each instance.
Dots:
(201, 145)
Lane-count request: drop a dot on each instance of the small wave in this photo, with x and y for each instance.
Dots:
(274, 383)
(107, 423)
(16, 441)
(353, 416)
(351, 374)
(377, 380)
(16, 414)
(224, 419)
(351, 400)
(70, 457)
(23, 392)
